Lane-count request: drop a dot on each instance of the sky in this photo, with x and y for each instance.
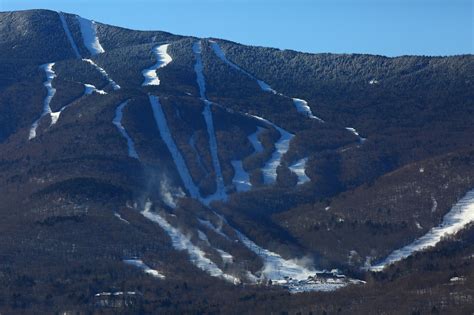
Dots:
(384, 27)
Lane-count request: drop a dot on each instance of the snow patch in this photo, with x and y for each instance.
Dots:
(163, 59)
(181, 242)
(211, 226)
(226, 257)
(303, 108)
(89, 36)
(114, 85)
(241, 178)
(299, 168)
(50, 75)
(118, 123)
(69, 35)
(460, 215)
(141, 265)
(118, 216)
(90, 89)
(355, 133)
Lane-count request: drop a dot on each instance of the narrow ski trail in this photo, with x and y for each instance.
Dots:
(299, 168)
(114, 85)
(50, 75)
(220, 193)
(69, 35)
(460, 215)
(118, 123)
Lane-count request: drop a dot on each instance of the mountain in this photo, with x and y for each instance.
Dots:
(146, 172)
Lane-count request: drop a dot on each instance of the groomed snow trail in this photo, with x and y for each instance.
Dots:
(303, 108)
(118, 123)
(165, 133)
(114, 85)
(89, 36)
(141, 265)
(299, 168)
(220, 193)
(69, 35)
(241, 178)
(181, 242)
(460, 215)
(269, 171)
(50, 75)
(163, 59)
(220, 53)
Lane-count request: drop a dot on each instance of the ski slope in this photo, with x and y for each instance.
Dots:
(114, 85)
(69, 35)
(220, 193)
(303, 108)
(460, 215)
(241, 179)
(299, 168)
(89, 36)
(182, 243)
(355, 133)
(118, 123)
(141, 265)
(163, 59)
(178, 159)
(253, 138)
(221, 55)
(50, 75)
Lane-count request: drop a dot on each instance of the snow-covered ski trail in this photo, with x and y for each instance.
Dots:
(50, 75)
(220, 53)
(69, 35)
(178, 159)
(163, 59)
(220, 193)
(181, 242)
(89, 36)
(114, 85)
(118, 123)
(241, 178)
(253, 138)
(282, 146)
(90, 89)
(460, 215)
(141, 265)
(299, 168)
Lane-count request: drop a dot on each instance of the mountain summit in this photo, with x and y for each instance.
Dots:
(146, 172)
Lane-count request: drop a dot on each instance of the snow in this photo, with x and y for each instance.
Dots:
(89, 36)
(460, 215)
(114, 85)
(355, 133)
(141, 265)
(163, 59)
(220, 193)
(299, 169)
(182, 243)
(203, 237)
(90, 89)
(178, 159)
(253, 138)
(226, 257)
(50, 75)
(118, 123)
(269, 171)
(221, 55)
(211, 226)
(241, 178)
(118, 216)
(69, 35)
(373, 81)
(303, 108)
